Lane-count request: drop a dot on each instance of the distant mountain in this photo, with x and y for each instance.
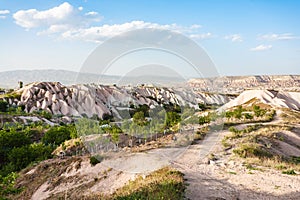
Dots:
(238, 84)
(10, 79)
(225, 84)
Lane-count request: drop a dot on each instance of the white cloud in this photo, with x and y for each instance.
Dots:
(4, 12)
(201, 36)
(234, 38)
(100, 33)
(92, 13)
(68, 22)
(33, 18)
(284, 36)
(64, 14)
(261, 48)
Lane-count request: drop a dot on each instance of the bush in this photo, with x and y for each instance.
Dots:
(248, 116)
(289, 172)
(46, 115)
(94, 160)
(56, 135)
(202, 106)
(251, 150)
(9, 140)
(233, 129)
(204, 120)
(3, 106)
(171, 119)
(139, 118)
(7, 185)
(21, 157)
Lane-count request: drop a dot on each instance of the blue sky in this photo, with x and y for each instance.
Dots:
(241, 37)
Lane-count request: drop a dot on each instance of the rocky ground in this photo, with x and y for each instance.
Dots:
(228, 178)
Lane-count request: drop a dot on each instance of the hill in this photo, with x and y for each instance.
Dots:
(238, 84)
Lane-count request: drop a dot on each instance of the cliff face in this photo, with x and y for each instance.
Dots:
(91, 99)
(237, 84)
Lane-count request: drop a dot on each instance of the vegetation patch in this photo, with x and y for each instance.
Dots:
(289, 172)
(165, 183)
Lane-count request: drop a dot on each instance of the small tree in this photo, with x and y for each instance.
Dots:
(56, 135)
(139, 118)
(3, 106)
(20, 84)
(115, 134)
(248, 116)
(172, 118)
(204, 120)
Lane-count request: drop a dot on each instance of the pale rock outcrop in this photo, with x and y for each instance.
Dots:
(278, 99)
(92, 99)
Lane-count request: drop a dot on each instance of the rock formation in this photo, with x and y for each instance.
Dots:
(92, 99)
(237, 84)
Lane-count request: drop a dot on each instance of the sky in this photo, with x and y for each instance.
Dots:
(249, 37)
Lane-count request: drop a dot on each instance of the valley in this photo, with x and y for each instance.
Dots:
(105, 137)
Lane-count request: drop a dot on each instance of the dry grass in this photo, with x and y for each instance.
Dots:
(290, 116)
(258, 147)
(274, 163)
(165, 183)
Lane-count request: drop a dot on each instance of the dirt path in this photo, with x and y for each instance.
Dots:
(227, 179)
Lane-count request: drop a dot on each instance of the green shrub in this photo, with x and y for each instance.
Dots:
(139, 118)
(21, 157)
(251, 150)
(204, 120)
(94, 160)
(233, 129)
(3, 106)
(7, 184)
(56, 135)
(171, 119)
(289, 172)
(46, 114)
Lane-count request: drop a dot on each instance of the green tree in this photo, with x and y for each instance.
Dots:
(171, 119)
(248, 116)
(7, 185)
(202, 106)
(237, 113)
(9, 140)
(257, 110)
(204, 119)
(139, 118)
(56, 135)
(3, 106)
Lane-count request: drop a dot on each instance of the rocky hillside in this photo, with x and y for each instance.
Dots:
(276, 99)
(91, 99)
(237, 84)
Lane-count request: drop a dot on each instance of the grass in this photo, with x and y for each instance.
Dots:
(256, 144)
(290, 116)
(165, 183)
(251, 150)
(252, 167)
(289, 172)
